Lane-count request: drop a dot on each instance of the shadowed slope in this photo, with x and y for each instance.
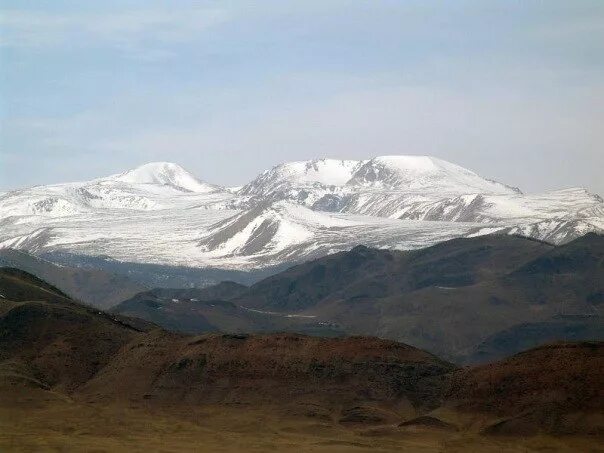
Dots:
(364, 272)
(62, 342)
(469, 300)
(451, 297)
(555, 388)
(92, 286)
(74, 349)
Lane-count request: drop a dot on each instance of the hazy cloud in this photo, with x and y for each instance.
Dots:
(131, 31)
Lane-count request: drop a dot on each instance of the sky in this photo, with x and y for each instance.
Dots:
(513, 90)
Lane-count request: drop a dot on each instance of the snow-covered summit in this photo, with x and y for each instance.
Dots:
(153, 186)
(302, 174)
(166, 174)
(423, 172)
(400, 173)
(291, 212)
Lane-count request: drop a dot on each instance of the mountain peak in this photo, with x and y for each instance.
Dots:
(298, 174)
(410, 162)
(166, 174)
(423, 172)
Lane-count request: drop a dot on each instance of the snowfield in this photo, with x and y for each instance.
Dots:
(160, 213)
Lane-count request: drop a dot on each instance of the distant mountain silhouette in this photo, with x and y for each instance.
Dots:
(92, 286)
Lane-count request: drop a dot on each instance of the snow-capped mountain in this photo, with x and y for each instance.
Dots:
(304, 174)
(304, 182)
(360, 186)
(157, 185)
(414, 173)
(164, 174)
(160, 213)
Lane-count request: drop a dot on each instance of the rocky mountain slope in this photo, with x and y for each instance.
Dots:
(161, 214)
(52, 346)
(468, 299)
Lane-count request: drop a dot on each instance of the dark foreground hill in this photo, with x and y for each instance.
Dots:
(78, 350)
(468, 300)
(57, 356)
(555, 388)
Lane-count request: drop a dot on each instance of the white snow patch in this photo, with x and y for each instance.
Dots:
(274, 313)
(164, 173)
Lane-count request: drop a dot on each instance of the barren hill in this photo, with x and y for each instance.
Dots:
(52, 346)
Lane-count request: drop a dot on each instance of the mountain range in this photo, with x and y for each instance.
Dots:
(330, 354)
(467, 300)
(73, 374)
(161, 214)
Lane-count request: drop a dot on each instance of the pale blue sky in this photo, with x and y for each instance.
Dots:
(511, 89)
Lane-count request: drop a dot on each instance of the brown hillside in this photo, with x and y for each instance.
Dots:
(57, 355)
(556, 388)
(270, 368)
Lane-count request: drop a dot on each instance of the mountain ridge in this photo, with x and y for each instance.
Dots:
(467, 299)
(290, 213)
